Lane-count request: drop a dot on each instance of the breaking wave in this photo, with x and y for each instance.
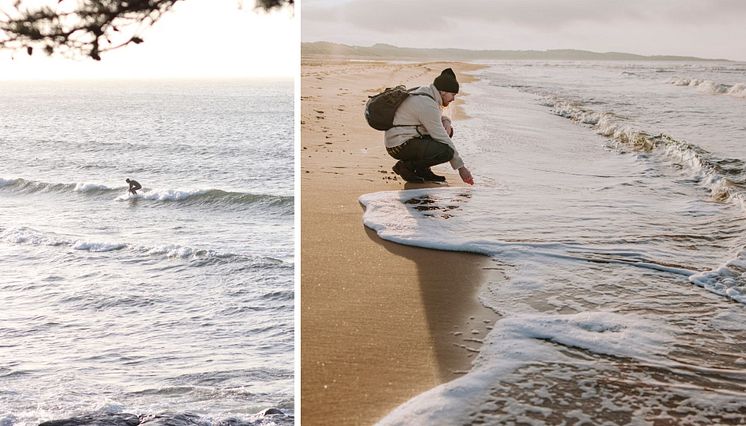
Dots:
(26, 235)
(724, 178)
(711, 87)
(211, 196)
(188, 197)
(31, 186)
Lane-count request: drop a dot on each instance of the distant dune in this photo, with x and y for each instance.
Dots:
(387, 51)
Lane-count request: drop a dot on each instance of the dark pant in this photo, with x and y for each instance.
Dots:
(421, 153)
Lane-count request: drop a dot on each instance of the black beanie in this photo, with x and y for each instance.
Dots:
(446, 81)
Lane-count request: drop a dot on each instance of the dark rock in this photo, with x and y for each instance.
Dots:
(97, 419)
(170, 419)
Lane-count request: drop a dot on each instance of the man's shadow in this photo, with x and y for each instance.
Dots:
(448, 285)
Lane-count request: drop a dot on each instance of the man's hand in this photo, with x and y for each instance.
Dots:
(466, 175)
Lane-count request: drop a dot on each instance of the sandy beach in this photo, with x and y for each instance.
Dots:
(381, 322)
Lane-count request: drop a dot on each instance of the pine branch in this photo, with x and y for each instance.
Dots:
(94, 26)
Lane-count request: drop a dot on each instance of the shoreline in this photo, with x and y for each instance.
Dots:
(381, 322)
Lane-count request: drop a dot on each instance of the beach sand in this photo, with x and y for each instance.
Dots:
(380, 322)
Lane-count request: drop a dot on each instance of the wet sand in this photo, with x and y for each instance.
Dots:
(380, 322)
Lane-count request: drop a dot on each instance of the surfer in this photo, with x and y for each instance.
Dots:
(421, 136)
(134, 186)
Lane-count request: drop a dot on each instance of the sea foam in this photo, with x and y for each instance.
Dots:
(711, 87)
(29, 236)
(524, 339)
(91, 187)
(729, 279)
(97, 246)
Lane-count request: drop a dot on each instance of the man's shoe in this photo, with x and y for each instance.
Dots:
(428, 174)
(406, 174)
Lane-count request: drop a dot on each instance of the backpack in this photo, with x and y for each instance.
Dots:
(381, 108)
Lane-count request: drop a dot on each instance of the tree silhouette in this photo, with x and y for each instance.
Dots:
(86, 27)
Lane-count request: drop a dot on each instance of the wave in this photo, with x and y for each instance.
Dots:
(32, 186)
(210, 196)
(196, 256)
(389, 214)
(727, 280)
(521, 340)
(187, 197)
(724, 178)
(711, 87)
(97, 247)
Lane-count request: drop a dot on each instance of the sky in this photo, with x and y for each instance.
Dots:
(196, 39)
(702, 28)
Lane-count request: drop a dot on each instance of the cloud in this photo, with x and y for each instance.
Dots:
(395, 15)
(687, 27)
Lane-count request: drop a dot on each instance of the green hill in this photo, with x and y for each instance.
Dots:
(389, 52)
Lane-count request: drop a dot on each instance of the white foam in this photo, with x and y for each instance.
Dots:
(171, 195)
(727, 280)
(522, 339)
(388, 215)
(738, 90)
(111, 408)
(606, 333)
(25, 235)
(127, 196)
(97, 247)
(167, 195)
(711, 87)
(176, 251)
(604, 123)
(90, 187)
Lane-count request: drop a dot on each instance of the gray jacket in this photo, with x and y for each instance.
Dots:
(421, 113)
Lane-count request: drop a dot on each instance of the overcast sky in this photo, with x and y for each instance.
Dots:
(704, 28)
(196, 39)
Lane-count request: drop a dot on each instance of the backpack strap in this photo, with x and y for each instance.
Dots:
(419, 94)
(415, 94)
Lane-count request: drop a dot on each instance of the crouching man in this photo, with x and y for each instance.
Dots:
(420, 136)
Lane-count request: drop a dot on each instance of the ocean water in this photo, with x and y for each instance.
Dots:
(610, 199)
(174, 306)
